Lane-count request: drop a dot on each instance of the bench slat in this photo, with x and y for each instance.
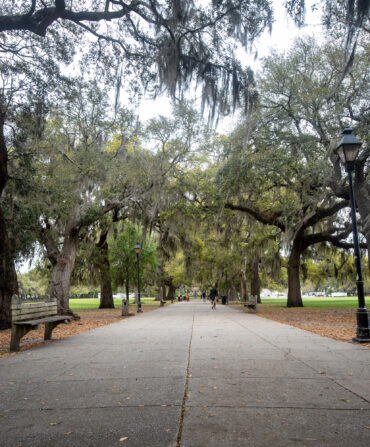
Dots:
(35, 304)
(30, 314)
(33, 316)
(30, 309)
(43, 320)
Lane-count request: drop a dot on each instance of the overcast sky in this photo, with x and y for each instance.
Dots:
(284, 31)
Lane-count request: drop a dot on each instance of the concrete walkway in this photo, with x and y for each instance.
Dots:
(241, 379)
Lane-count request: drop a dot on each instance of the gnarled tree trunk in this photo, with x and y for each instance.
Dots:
(171, 290)
(294, 283)
(362, 195)
(243, 286)
(127, 288)
(232, 294)
(8, 276)
(106, 295)
(255, 280)
(62, 270)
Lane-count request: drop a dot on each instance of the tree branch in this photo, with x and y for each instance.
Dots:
(261, 216)
(38, 21)
(322, 213)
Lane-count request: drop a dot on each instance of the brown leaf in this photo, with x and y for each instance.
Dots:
(123, 439)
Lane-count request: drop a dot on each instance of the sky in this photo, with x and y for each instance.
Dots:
(284, 31)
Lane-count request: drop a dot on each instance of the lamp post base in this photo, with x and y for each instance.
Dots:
(361, 340)
(363, 330)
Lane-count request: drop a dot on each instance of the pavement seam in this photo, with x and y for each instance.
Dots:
(269, 407)
(296, 358)
(179, 434)
(96, 407)
(279, 407)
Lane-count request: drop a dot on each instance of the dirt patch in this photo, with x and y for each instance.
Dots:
(339, 324)
(90, 319)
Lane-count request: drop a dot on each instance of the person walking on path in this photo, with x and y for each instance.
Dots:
(212, 296)
(204, 296)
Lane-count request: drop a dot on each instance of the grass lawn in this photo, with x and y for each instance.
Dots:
(93, 303)
(347, 302)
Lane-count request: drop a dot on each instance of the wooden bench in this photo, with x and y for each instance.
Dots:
(27, 315)
(252, 303)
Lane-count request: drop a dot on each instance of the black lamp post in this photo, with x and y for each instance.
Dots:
(138, 251)
(347, 150)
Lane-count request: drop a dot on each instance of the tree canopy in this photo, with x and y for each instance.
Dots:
(266, 203)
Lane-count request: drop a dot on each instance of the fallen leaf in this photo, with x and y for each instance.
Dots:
(168, 429)
(54, 423)
(344, 400)
(69, 432)
(215, 387)
(123, 439)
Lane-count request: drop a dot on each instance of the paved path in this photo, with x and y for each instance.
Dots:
(243, 381)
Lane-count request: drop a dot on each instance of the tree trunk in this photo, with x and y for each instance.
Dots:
(232, 295)
(255, 280)
(163, 295)
(62, 270)
(294, 283)
(127, 288)
(362, 197)
(106, 296)
(243, 287)
(171, 291)
(8, 276)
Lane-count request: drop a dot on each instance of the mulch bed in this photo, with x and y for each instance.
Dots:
(339, 324)
(90, 319)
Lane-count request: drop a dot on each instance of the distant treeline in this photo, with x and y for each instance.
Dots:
(84, 295)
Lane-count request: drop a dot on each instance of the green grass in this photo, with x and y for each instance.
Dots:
(93, 303)
(348, 302)
(312, 302)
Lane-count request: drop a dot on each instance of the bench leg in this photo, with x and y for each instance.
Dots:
(49, 327)
(18, 331)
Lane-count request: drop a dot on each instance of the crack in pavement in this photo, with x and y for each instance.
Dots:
(178, 444)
